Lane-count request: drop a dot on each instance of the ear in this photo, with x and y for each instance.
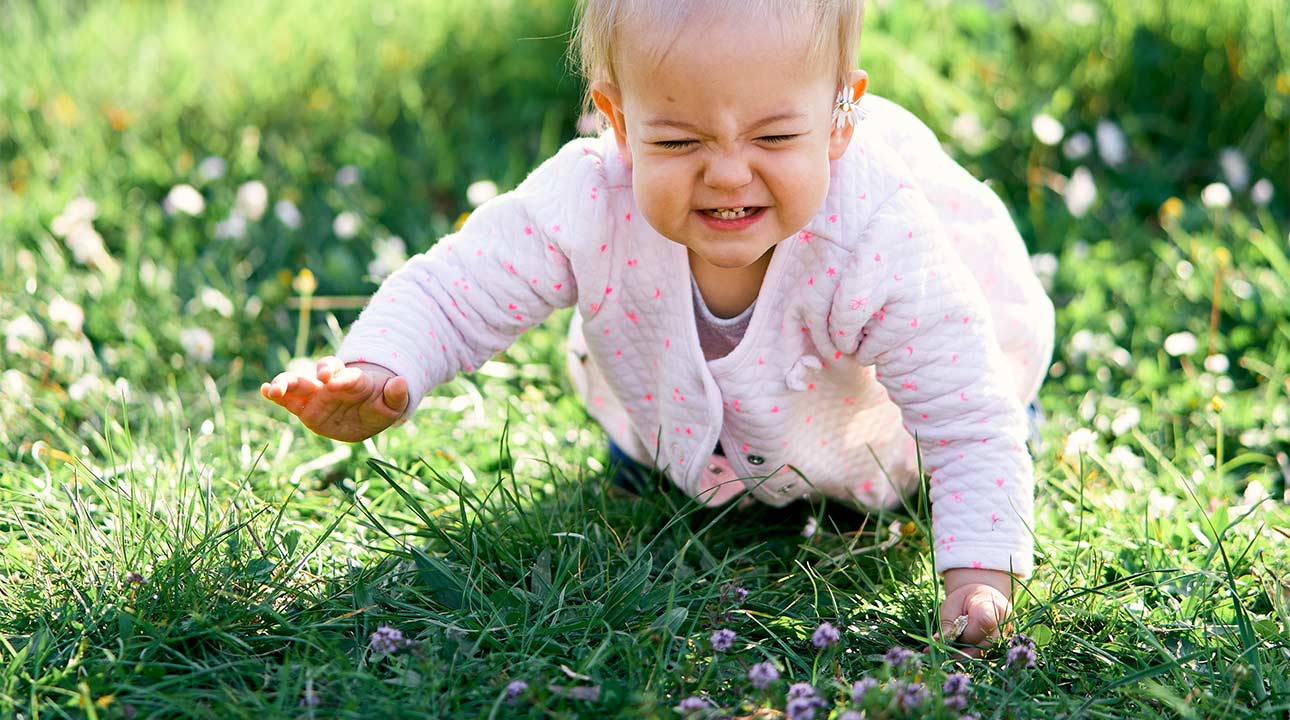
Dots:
(839, 139)
(609, 99)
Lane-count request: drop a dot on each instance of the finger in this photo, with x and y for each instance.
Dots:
(344, 378)
(327, 367)
(984, 619)
(395, 394)
(279, 385)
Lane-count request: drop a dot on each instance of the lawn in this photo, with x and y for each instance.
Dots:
(195, 195)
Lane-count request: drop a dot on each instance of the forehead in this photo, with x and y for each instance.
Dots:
(707, 59)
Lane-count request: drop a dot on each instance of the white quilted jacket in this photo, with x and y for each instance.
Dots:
(906, 308)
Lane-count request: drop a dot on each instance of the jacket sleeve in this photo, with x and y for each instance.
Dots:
(908, 307)
(472, 294)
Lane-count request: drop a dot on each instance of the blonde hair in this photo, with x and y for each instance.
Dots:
(835, 26)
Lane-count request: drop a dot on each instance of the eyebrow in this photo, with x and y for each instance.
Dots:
(679, 125)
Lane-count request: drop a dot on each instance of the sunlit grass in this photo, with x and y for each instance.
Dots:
(172, 546)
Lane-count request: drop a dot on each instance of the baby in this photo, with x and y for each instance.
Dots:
(782, 291)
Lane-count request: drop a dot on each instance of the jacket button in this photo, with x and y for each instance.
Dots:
(755, 459)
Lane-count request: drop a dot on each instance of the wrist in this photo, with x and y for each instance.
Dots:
(1000, 580)
(371, 368)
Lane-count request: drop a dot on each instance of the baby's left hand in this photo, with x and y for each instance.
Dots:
(985, 598)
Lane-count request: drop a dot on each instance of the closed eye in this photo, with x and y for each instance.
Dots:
(775, 139)
(674, 144)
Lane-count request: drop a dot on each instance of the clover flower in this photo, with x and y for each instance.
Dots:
(723, 639)
(1216, 196)
(387, 640)
(800, 690)
(861, 689)
(803, 708)
(1077, 146)
(1261, 193)
(735, 594)
(691, 706)
(65, 312)
(514, 689)
(198, 344)
(955, 691)
(1021, 651)
(345, 225)
(912, 696)
(898, 656)
(184, 198)
(212, 167)
(347, 176)
(826, 635)
(21, 332)
(1112, 144)
(252, 200)
(762, 675)
(802, 702)
(1047, 129)
(288, 214)
(480, 192)
(1080, 192)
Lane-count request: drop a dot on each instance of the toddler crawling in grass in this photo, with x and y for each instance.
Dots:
(782, 290)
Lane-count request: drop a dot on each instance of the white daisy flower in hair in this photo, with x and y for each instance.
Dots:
(847, 109)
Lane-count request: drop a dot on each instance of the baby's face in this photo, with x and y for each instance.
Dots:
(729, 137)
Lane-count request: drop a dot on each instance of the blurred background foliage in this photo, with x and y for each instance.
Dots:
(385, 112)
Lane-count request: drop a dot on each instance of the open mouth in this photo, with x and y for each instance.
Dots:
(738, 213)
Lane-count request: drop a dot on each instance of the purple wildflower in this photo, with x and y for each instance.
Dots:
(955, 691)
(803, 708)
(851, 715)
(862, 688)
(762, 675)
(802, 702)
(826, 635)
(723, 639)
(801, 690)
(387, 640)
(134, 578)
(956, 684)
(739, 595)
(898, 656)
(912, 695)
(514, 689)
(1021, 651)
(691, 706)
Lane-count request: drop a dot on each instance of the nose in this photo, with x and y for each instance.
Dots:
(727, 170)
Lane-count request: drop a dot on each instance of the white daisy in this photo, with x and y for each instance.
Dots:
(184, 199)
(288, 214)
(198, 343)
(847, 109)
(481, 192)
(1080, 192)
(252, 200)
(345, 225)
(1048, 129)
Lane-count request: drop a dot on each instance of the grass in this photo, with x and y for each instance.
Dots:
(173, 546)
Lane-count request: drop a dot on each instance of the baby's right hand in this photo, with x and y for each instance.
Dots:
(343, 403)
